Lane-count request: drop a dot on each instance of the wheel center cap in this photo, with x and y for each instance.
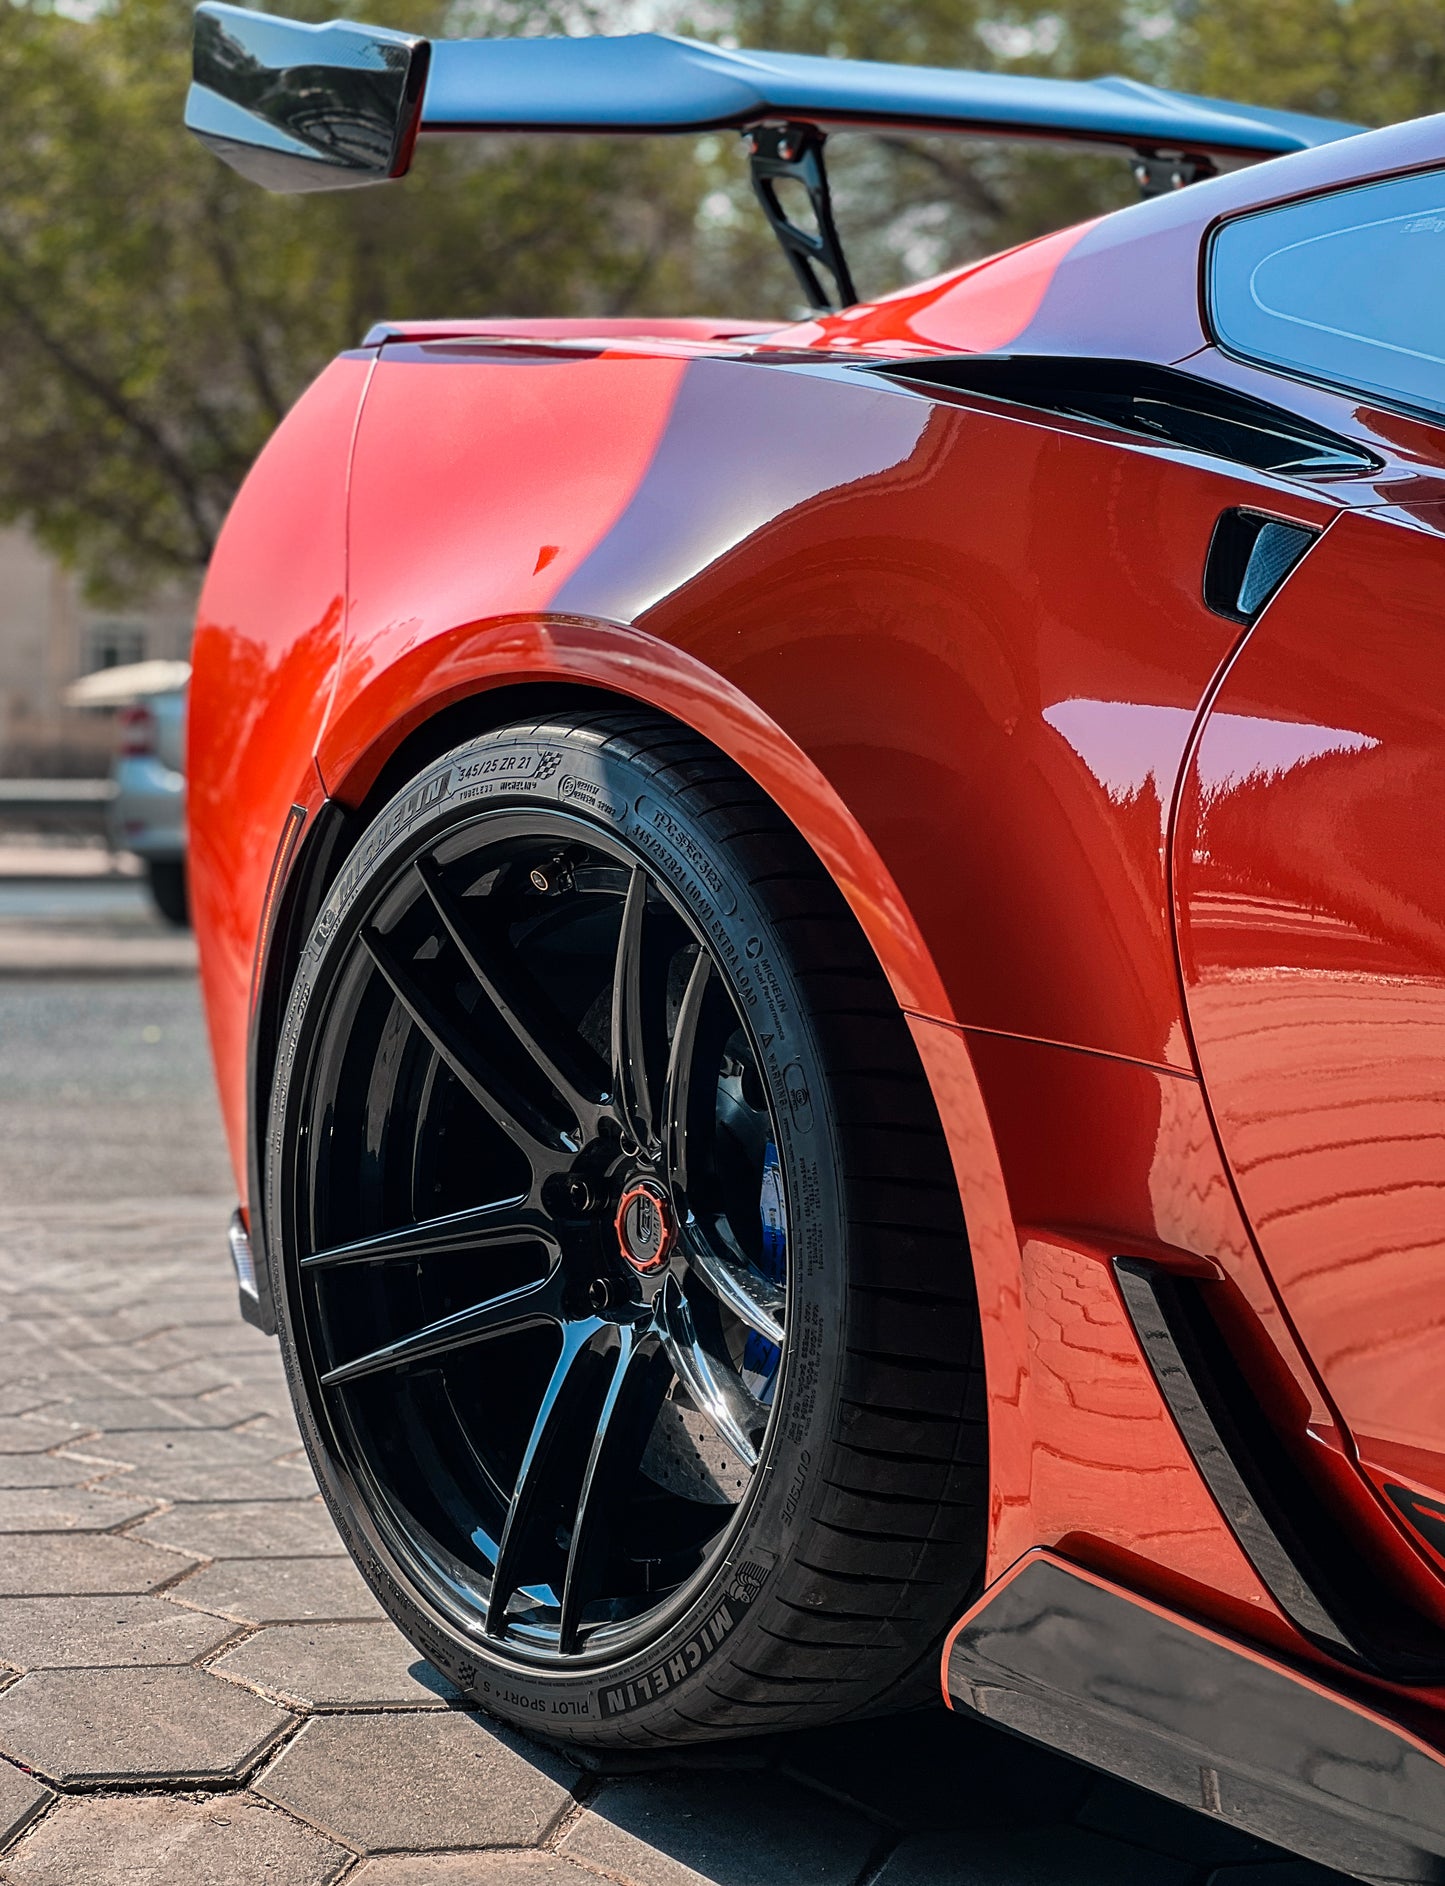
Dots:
(645, 1228)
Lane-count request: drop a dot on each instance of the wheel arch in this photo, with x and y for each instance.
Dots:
(360, 776)
(480, 676)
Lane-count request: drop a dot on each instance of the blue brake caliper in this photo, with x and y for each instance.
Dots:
(760, 1357)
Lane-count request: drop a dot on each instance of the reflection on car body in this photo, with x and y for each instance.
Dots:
(940, 801)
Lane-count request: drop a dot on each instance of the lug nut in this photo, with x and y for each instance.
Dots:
(580, 1195)
(599, 1293)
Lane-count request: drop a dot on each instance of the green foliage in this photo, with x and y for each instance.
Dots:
(157, 314)
(1371, 61)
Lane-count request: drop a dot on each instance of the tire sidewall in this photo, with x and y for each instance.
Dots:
(617, 792)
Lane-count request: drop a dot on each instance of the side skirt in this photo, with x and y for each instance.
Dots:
(1068, 1659)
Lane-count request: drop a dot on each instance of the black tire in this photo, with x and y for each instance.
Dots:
(842, 1555)
(166, 878)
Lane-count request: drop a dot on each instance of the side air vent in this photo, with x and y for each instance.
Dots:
(1301, 1549)
(1425, 1515)
(1157, 402)
(1249, 557)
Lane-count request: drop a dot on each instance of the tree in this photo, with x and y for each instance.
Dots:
(915, 204)
(158, 314)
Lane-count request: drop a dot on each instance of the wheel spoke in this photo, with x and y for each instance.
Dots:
(541, 1035)
(624, 1425)
(629, 1056)
(714, 1387)
(510, 1222)
(738, 1285)
(506, 1438)
(553, 1462)
(518, 1119)
(677, 1092)
(503, 1315)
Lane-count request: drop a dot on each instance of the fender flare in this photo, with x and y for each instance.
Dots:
(614, 659)
(460, 669)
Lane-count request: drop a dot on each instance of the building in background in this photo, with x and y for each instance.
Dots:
(49, 636)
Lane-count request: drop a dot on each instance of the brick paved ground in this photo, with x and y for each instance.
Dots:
(197, 1690)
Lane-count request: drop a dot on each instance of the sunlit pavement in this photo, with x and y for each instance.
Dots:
(197, 1689)
(75, 911)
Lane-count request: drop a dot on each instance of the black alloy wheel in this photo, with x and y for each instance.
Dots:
(557, 1369)
(555, 1175)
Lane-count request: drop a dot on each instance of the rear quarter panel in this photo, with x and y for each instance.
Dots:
(965, 650)
(268, 638)
(975, 638)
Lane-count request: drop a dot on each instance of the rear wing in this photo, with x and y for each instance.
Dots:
(298, 107)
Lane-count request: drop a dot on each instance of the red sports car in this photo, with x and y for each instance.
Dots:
(826, 946)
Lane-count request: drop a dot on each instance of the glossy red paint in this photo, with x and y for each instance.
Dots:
(964, 647)
(1103, 1157)
(268, 635)
(1083, 1451)
(980, 309)
(1312, 928)
(873, 589)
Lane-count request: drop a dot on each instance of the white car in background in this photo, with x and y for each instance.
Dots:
(147, 816)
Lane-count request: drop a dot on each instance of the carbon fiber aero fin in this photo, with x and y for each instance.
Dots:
(1068, 1659)
(297, 107)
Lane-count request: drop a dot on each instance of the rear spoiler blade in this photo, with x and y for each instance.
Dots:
(299, 107)
(651, 82)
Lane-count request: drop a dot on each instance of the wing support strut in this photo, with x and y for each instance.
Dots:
(793, 153)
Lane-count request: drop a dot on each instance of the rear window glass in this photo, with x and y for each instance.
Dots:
(1347, 288)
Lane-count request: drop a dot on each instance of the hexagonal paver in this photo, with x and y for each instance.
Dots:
(108, 1360)
(335, 1666)
(764, 1830)
(37, 1363)
(218, 1339)
(84, 1727)
(57, 1509)
(160, 1448)
(232, 1407)
(257, 1385)
(32, 1434)
(470, 1869)
(73, 1633)
(46, 1470)
(1029, 1857)
(228, 1840)
(189, 1378)
(126, 1413)
(18, 1398)
(147, 1353)
(21, 1799)
(280, 1591)
(269, 1481)
(50, 1564)
(421, 1782)
(241, 1530)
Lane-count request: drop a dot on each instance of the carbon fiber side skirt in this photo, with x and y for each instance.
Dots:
(1065, 1658)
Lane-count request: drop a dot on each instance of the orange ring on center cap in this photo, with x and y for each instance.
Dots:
(644, 1226)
